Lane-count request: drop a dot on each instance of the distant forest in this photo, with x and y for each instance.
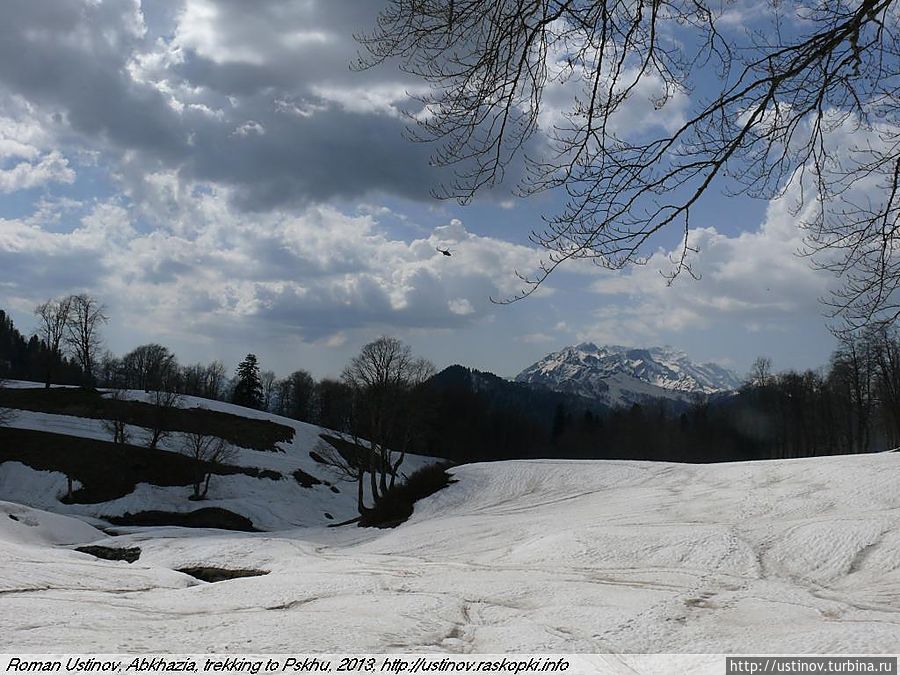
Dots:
(852, 405)
(28, 358)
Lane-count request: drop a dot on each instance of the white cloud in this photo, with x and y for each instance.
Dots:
(316, 273)
(27, 157)
(384, 99)
(50, 168)
(249, 128)
(201, 28)
(248, 33)
(754, 279)
(461, 306)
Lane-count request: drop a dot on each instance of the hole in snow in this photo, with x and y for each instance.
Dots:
(213, 574)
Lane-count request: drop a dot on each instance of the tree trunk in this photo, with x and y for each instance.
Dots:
(51, 358)
(373, 474)
(383, 470)
(395, 468)
(360, 503)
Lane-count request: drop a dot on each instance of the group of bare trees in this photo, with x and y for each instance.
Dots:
(867, 367)
(154, 368)
(73, 323)
(204, 380)
(852, 406)
(385, 381)
(159, 424)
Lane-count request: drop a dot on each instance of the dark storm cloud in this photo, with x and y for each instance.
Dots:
(334, 154)
(70, 58)
(226, 92)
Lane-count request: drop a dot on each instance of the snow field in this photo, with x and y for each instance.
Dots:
(542, 556)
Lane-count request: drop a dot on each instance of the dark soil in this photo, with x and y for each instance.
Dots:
(212, 517)
(105, 470)
(242, 431)
(129, 555)
(213, 574)
(306, 480)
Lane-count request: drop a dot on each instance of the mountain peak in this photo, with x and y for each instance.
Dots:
(621, 375)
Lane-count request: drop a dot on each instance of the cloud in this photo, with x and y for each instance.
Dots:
(50, 168)
(570, 85)
(754, 280)
(385, 99)
(214, 168)
(461, 306)
(250, 127)
(256, 97)
(27, 158)
(537, 338)
(315, 274)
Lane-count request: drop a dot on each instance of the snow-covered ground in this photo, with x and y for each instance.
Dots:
(541, 556)
(269, 504)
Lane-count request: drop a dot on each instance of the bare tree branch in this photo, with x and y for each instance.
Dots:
(784, 99)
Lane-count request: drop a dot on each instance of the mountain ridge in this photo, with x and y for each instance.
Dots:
(621, 375)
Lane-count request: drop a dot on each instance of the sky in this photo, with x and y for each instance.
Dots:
(217, 175)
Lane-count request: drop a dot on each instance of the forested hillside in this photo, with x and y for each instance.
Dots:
(26, 358)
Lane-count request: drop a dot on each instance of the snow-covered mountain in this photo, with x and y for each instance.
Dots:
(620, 375)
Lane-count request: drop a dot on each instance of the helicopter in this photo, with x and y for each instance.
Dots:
(445, 251)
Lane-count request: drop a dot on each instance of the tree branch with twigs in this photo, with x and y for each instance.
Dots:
(783, 96)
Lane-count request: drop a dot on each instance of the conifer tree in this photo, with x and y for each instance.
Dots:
(248, 390)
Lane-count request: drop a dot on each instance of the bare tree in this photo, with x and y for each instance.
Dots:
(334, 404)
(207, 451)
(853, 375)
(149, 366)
(384, 377)
(788, 93)
(206, 381)
(115, 422)
(53, 319)
(165, 402)
(761, 372)
(83, 331)
(111, 371)
(268, 380)
(886, 346)
(350, 465)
